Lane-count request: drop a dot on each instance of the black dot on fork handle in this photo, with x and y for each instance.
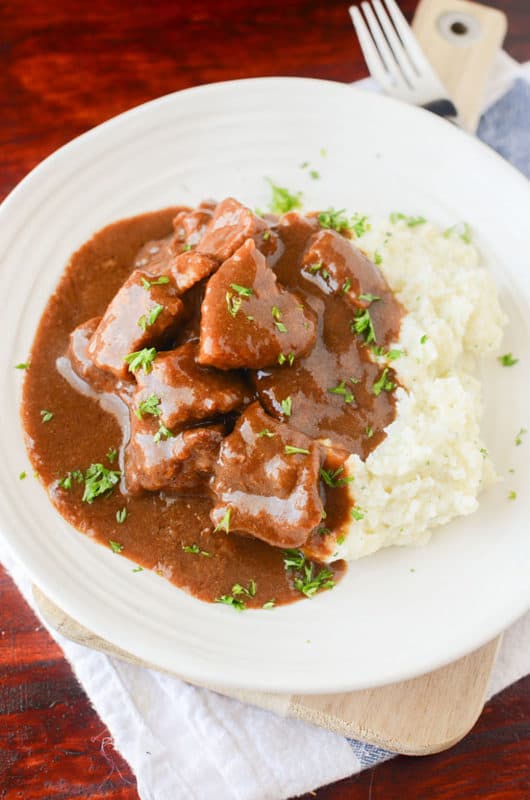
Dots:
(459, 28)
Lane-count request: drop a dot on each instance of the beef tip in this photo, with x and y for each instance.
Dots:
(264, 486)
(337, 267)
(190, 226)
(189, 268)
(82, 365)
(248, 320)
(140, 315)
(156, 255)
(186, 391)
(232, 224)
(183, 463)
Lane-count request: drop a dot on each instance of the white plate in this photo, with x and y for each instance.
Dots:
(383, 623)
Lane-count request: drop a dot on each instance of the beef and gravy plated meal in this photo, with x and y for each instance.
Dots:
(244, 401)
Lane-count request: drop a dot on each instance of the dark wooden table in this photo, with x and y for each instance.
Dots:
(66, 66)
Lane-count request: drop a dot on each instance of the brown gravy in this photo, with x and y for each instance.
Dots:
(159, 525)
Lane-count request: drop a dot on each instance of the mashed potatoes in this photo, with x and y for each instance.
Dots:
(432, 464)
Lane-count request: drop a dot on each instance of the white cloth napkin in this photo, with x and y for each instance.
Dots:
(186, 743)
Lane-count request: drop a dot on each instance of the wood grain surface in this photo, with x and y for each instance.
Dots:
(66, 66)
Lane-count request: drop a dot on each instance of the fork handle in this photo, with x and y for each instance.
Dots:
(443, 108)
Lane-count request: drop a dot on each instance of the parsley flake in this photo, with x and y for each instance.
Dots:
(196, 550)
(46, 416)
(116, 547)
(287, 406)
(369, 431)
(360, 225)
(22, 476)
(507, 360)
(229, 600)
(346, 286)
(305, 580)
(283, 200)
(367, 297)
(512, 495)
(111, 455)
(266, 432)
(186, 248)
(313, 173)
(331, 478)
(121, 515)
(160, 281)
(411, 222)
(461, 229)
(137, 569)
(290, 450)
(146, 320)
(244, 291)
(163, 433)
(363, 325)
(224, 524)
(334, 220)
(383, 384)
(378, 258)
(149, 406)
(22, 365)
(282, 358)
(357, 513)
(141, 359)
(341, 389)
(423, 338)
(269, 604)
(519, 437)
(233, 303)
(99, 481)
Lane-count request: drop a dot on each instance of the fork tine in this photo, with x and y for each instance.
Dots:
(394, 41)
(412, 47)
(389, 60)
(370, 52)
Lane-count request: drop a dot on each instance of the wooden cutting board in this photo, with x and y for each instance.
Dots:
(416, 717)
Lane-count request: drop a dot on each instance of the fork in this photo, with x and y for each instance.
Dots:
(396, 60)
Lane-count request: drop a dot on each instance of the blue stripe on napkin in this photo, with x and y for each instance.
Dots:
(506, 126)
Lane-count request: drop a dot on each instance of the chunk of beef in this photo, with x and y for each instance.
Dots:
(248, 320)
(339, 268)
(187, 391)
(190, 226)
(232, 224)
(263, 487)
(140, 315)
(182, 464)
(189, 268)
(156, 255)
(82, 365)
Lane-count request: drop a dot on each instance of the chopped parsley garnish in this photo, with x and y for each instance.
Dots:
(22, 476)
(46, 416)
(229, 600)
(146, 320)
(340, 539)
(483, 452)
(290, 450)
(378, 258)
(512, 495)
(266, 235)
(111, 455)
(305, 580)
(243, 291)
(346, 286)
(163, 433)
(282, 200)
(186, 248)
(269, 604)
(360, 225)
(287, 406)
(141, 359)
(331, 478)
(282, 358)
(121, 515)
(163, 279)
(357, 513)
(519, 437)
(233, 303)
(313, 173)
(266, 432)
(323, 152)
(67, 481)
(149, 406)
(423, 338)
(341, 389)
(393, 354)
(116, 547)
(277, 315)
(322, 531)
(137, 569)
(315, 267)
(22, 365)
(196, 550)
(99, 481)
(334, 220)
(383, 384)
(507, 360)
(237, 589)
(363, 325)
(369, 431)
(368, 298)
(224, 525)
(461, 229)
(396, 216)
